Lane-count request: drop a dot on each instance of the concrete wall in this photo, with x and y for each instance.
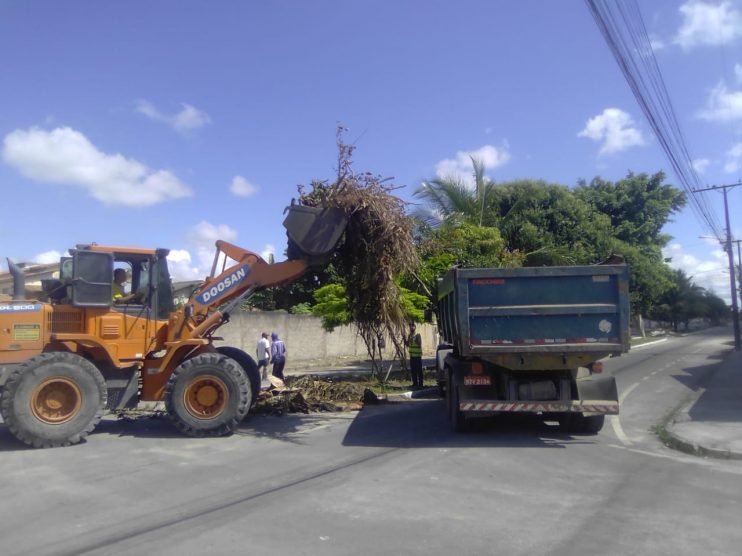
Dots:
(306, 341)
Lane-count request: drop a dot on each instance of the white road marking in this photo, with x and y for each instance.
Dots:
(648, 344)
(616, 422)
(618, 429)
(627, 392)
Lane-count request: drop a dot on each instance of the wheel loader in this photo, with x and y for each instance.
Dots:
(75, 352)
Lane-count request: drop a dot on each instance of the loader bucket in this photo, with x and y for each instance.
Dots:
(314, 232)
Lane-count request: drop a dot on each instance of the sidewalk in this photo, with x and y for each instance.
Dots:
(712, 423)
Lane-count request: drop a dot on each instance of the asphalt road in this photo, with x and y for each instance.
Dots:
(390, 479)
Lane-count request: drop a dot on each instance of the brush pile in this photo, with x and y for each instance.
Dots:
(378, 247)
(310, 394)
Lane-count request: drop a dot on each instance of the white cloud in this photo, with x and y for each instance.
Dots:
(48, 257)
(202, 237)
(706, 24)
(711, 272)
(181, 268)
(738, 72)
(187, 119)
(65, 156)
(615, 128)
(733, 159)
(700, 165)
(201, 241)
(195, 262)
(242, 188)
(268, 250)
(656, 43)
(461, 167)
(722, 105)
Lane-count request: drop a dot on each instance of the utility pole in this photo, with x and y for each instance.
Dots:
(739, 267)
(730, 254)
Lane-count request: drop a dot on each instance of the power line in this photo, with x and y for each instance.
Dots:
(622, 27)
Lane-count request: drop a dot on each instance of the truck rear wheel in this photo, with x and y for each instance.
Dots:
(248, 365)
(456, 417)
(207, 395)
(53, 399)
(582, 424)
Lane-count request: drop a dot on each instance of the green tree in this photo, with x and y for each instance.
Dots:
(548, 224)
(458, 243)
(639, 206)
(684, 300)
(331, 306)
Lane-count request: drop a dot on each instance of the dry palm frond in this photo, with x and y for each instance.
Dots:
(378, 247)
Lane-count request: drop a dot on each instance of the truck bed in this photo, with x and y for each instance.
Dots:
(570, 309)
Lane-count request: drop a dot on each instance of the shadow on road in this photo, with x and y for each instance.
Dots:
(410, 424)
(697, 377)
(154, 425)
(423, 424)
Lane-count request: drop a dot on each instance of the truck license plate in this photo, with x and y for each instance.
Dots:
(477, 380)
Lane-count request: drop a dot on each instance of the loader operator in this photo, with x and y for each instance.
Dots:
(118, 295)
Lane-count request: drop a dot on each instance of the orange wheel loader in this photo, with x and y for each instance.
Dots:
(76, 352)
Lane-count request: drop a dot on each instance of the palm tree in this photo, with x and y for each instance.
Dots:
(450, 198)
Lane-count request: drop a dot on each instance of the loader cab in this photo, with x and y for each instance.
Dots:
(90, 272)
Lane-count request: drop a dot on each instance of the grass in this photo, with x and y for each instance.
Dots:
(662, 432)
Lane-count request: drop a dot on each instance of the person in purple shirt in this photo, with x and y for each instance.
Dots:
(278, 355)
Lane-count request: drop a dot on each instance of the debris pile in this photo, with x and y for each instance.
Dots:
(311, 394)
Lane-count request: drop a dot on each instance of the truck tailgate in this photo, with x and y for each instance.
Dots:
(538, 310)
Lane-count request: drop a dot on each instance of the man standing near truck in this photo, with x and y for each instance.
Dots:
(415, 349)
(264, 355)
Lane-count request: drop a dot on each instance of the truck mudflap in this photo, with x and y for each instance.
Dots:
(596, 407)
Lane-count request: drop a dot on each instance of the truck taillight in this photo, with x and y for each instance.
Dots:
(597, 367)
(477, 368)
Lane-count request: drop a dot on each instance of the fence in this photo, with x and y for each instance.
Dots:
(307, 343)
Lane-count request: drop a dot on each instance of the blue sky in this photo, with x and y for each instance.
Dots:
(174, 123)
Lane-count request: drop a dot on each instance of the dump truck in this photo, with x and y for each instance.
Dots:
(75, 352)
(531, 340)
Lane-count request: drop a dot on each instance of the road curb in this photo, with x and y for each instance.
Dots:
(675, 440)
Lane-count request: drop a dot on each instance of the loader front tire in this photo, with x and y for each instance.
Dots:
(248, 365)
(53, 399)
(207, 395)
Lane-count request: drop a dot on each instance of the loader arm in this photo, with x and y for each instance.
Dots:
(313, 234)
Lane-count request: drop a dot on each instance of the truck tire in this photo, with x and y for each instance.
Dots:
(248, 365)
(207, 395)
(456, 417)
(53, 399)
(582, 424)
(592, 424)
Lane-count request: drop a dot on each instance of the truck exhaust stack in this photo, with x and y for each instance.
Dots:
(19, 281)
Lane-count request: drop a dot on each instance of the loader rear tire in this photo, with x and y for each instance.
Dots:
(207, 395)
(53, 399)
(248, 365)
